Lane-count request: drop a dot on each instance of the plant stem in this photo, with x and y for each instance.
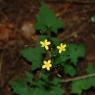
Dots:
(78, 78)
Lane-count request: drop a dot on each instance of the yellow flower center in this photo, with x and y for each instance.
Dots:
(61, 48)
(45, 44)
(47, 65)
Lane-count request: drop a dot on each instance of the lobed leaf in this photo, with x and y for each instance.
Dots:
(78, 86)
(76, 52)
(33, 55)
(47, 21)
(90, 69)
(70, 70)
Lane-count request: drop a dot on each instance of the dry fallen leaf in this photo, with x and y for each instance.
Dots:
(6, 31)
(28, 30)
(4, 34)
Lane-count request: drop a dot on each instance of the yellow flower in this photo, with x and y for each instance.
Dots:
(47, 64)
(45, 44)
(61, 48)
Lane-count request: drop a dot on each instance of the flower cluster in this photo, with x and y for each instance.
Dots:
(45, 44)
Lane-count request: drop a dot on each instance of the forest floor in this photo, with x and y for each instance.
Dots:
(16, 21)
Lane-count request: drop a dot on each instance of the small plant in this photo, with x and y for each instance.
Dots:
(48, 56)
(93, 18)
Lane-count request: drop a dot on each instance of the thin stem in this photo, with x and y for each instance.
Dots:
(78, 78)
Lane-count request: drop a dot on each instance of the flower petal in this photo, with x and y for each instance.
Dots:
(50, 65)
(49, 61)
(58, 47)
(64, 45)
(46, 47)
(45, 62)
(43, 66)
(41, 42)
(48, 43)
(48, 68)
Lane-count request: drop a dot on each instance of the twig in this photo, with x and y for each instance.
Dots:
(78, 78)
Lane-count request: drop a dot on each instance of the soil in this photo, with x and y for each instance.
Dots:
(16, 21)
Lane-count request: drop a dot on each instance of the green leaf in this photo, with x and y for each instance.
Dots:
(18, 87)
(56, 81)
(76, 52)
(46, 20)
(93, 18)
(73, 52)
(61, 59)
(38, 91)
(43, 37)
(90, 69)
(33, 55)
(44, 76)
(55, 41)
(57, 61)
(78, 86)
(39, 83)
(56, 91)
(89, 82)
(70, 70)
(29, 77)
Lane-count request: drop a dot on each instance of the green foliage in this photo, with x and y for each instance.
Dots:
(56, 81)
(75, 52)
(56, 88)
(22, 88)
(70, 70)
(43, 37)
(78, 86)
(46, 19)
(18, 86)
(93, 18)
(29, 77)
(38, 91)
(56, 91)
(55, 41)
(90, 69)
(60, 58)
(30, 53)
(44, 76)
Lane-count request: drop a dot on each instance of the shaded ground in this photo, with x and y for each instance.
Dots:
(16, 14)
